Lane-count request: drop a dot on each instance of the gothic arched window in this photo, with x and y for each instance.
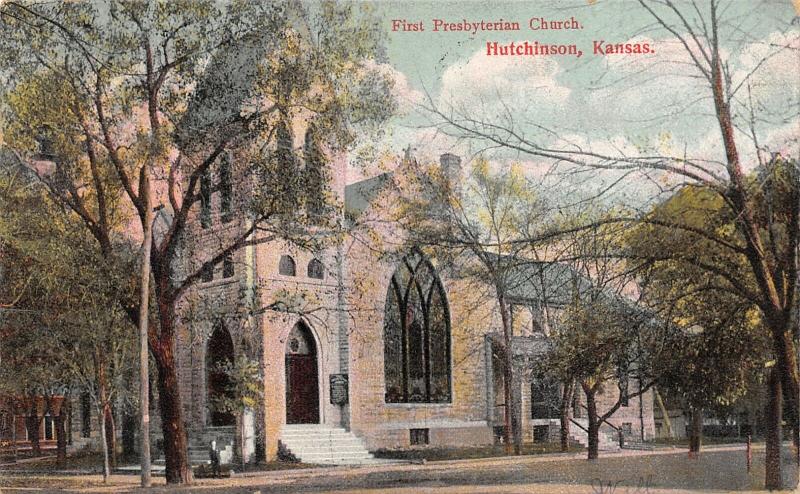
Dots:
(316, 270)
(225, 188)
(286, 266)
(205, 198)
(316, 173)
(416, 335)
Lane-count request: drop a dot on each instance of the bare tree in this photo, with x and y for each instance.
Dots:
(477, 222)
(769, 247)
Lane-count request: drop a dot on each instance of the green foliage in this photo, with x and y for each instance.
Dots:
(491, 215)
(699, 277)
(244, 388)
(65, 328)
(591, 342)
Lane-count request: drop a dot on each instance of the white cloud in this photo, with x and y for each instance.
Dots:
(488, 85)
(407, 96)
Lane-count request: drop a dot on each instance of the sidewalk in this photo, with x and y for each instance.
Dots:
(491, 475)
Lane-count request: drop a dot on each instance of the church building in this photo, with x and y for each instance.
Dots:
(360, 347)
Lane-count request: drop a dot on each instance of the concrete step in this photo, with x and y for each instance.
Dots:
(315, 432)
(324, 445)
(324, 442)
(315, 448)
(338, 454)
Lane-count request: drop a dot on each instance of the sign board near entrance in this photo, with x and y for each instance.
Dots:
(339, 385)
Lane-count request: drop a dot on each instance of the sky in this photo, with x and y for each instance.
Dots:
(624, 104)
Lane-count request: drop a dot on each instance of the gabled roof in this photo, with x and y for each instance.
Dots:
(359, 196)
(548, 283)
(554, 284)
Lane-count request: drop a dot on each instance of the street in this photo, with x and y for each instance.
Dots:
(629, 472)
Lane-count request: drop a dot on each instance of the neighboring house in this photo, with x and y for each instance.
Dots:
(389, 347)
(14, 420)
(81, 425)
(678, 424)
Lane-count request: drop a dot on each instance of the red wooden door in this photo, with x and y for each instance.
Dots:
(302, 391)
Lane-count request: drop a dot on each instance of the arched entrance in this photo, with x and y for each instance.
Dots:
(218, 352)
(302, 377)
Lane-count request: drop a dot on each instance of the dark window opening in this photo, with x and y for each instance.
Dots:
(623, 386)
(545, 399)
(541, 433)
(86, 415)
(205, 199)
(46, 149)
(225, 189)
(499, 432)
(286, 266)
(416, 335)
(227, 266)
(316, 270)
(207, 273)
(219, 356)
(49, 428)
(419, 437)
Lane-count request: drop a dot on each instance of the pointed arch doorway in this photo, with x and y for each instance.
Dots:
(219, 351)
(302, 377)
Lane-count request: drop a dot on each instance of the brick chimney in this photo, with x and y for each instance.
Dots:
(451, 168)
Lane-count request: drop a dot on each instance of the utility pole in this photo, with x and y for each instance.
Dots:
(144, 375)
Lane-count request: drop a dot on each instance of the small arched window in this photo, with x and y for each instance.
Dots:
(286, 266)
(316, 270)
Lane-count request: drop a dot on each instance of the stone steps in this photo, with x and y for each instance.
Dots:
(638, 445)
(325, 445)
(200, 442)
(605, 441)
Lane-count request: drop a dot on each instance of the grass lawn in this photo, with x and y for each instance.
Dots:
(681, 442)
(90, 462)
(272, 466)
(439, 454)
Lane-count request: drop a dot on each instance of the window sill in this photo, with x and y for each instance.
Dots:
(416, 405)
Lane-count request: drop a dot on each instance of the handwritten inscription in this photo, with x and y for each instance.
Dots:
(642, 485)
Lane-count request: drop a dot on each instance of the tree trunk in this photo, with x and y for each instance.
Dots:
(784, 348)
(144, 314)
(14, 432)
(565, 415)
(696, 430)
(61, 437)
(507, 434)
(239, 446)
(594, 424)
(513, 422)
(32, 423)
(104, 443)
(66, 407)
(111, 436)
(516, 413)
(172, 426)
(777, 315)
(772, 476)
(102, 411)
